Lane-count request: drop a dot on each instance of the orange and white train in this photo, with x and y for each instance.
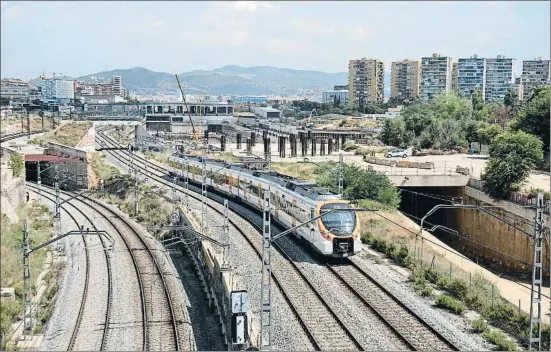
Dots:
(292, 202)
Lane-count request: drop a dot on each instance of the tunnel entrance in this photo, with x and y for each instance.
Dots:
(417, 201)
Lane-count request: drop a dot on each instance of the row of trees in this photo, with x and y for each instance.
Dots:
(518, 135)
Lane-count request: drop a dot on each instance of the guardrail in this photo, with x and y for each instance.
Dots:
(412, 168)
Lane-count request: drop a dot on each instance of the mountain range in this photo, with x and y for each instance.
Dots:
(227, 80)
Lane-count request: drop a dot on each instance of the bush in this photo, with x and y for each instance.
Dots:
(500, 340)
(450, 303)
(17, 163)
(479, 325)
(349, 145)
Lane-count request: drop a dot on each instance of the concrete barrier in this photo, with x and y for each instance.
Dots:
(462, 170)
(428, 165)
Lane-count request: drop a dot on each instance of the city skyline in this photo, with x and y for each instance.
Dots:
(320, 36)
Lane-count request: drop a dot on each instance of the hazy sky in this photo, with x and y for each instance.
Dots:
(78, 38)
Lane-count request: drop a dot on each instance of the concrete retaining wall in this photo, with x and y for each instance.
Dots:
(489, 232)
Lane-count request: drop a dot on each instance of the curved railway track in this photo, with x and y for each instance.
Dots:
(78, 323)
(143, 261)
(308, 305)
(409, 327)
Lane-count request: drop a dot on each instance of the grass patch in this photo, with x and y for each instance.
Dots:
(450, 303)
(68, 134)
(102, 168)
(500, 340)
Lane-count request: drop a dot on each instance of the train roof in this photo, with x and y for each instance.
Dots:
(304, 188)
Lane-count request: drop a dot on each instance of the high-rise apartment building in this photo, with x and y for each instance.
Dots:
(455, 74)
(366, 81)
(471, 76)
(436, 74)
(116, 81)
(535, 73)
(500, 75)
(405, 77)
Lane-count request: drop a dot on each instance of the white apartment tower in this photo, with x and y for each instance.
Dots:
(53, 88)
(535, 73)
(471, 76)
(116, 81)
(500, 76)
(436, 72)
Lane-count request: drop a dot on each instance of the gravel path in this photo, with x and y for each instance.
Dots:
(453, 327)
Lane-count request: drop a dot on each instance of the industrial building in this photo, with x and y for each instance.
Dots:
(331, 96)
(173, 117)
(366, 81)
(436, 72)
(471, 76)
(250, 99)
(405, 77)
(266, 112)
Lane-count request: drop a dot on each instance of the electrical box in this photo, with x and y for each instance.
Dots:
(239, 329)
(240, 302)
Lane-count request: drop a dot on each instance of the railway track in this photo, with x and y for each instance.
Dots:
(9, 137)
(411, 329)
(85, 294)
(159, 326)
(420, 335)
(325, 330)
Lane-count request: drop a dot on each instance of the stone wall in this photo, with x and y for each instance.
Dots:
(12, 193)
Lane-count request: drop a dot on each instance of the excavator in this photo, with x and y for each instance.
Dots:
(196, 135)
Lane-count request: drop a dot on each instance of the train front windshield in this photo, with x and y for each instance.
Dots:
(339, 223)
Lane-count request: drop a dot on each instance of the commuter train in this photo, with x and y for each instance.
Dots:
(292, 202)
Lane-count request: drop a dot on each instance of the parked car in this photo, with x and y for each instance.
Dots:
(404, 153)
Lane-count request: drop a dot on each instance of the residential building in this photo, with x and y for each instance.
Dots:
(518, 88)
(330, 96)
(341, 87)
(500, 75)
(116, 81)
(366, 81)
(535, 73)
(14, 89)
(405, 79)
(471, 76)
(54, 88)
(455, 75)
(436, 73)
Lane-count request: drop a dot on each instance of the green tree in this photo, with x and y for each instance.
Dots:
(361, 184)
(393, 132)
(471, 128)
(487, 134)
(533, 118)
(512, 156)
(477, 101)
(17, 164)
(511, 98)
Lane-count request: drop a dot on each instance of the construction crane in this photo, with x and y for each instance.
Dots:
(195, 135)
(53, 74)
(309, 124)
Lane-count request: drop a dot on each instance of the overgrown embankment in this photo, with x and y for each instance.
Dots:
(68, 134)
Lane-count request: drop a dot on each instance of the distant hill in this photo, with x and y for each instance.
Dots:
(225, 80)
(229, 79)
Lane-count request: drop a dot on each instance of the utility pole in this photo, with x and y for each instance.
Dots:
(186, 181)
(341, 174)
(266, 284)
(38, 180)
(226, 239)
(536, 322)
(28, 124)
(204, 186)
(27, 292)
(134, 169)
